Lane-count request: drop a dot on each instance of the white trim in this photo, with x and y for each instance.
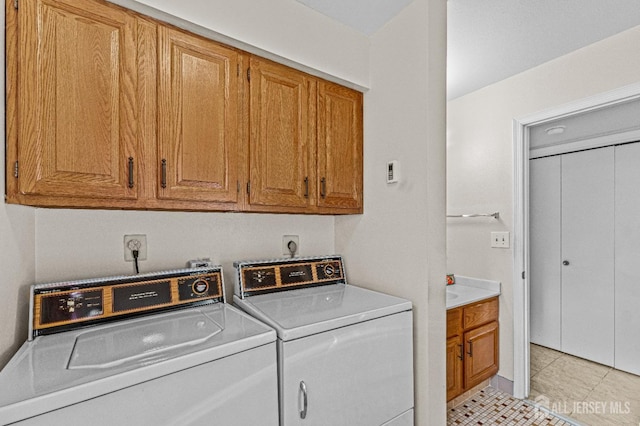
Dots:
(521, 218)
(597, 142)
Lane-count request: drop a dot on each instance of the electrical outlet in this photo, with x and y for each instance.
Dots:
(500, 239)
(131, 242)
(286, 239)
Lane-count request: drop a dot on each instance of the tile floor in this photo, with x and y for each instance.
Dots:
(591, 393)
(491, 407)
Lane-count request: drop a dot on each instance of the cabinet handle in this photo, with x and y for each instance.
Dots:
(470, 353)
(130, 172)
(461, 355)
(323, 187)
(565, 262)
(306, 187)
(163, 182)
(303, 389)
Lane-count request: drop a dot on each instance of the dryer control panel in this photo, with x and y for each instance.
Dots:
(258, 277)
(66, 305)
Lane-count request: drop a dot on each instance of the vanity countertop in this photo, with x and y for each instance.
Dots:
(468, 290)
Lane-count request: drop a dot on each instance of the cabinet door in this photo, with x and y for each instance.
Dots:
(455, 358)
(77, 99)
(627, 249)
(339, 147)
(481, 359)
(545, 217)
(358, 375)
(282, 135)
(197, 119)
(588, 247)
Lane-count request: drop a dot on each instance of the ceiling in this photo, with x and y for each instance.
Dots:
(490, 40)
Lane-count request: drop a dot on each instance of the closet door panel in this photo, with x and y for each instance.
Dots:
(546, 257)
(587, 246)
(627, 256)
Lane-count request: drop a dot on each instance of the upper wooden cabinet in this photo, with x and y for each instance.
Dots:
(339, 147)
(76, 92)
(107, 108)
(306, 142)
(198, 118)
(282, 116)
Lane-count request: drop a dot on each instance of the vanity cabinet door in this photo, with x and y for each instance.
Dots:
(76, 103)
(455, 357)
(481, 357)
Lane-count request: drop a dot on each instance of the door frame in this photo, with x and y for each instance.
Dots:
(521, 126)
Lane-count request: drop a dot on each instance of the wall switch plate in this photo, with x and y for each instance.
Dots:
(393, 172)
(138, 241)
(500, 239)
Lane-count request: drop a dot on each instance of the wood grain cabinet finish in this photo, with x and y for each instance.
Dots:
(77, 100)
(339, 147)
(198, 132)
(472, 345)
(282, 108)
(107, 108)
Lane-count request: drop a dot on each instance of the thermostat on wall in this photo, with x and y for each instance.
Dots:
(393, 174)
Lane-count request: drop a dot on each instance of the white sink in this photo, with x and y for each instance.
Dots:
(451, 295)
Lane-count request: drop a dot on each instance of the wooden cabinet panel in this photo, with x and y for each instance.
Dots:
(198, 119)
(339, 147)
(455, 358)
(109, 109)
(454, 322)
(472, 345)
(481, 360)
(77, 100)
(282, 108)
(480, 313)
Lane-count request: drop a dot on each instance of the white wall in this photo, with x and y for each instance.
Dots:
(89, 243)
(398, 245)
(480, 155)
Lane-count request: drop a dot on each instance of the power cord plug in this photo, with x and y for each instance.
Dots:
(134, 246)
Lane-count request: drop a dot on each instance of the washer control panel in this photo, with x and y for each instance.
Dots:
(277, 275)
(63, 306)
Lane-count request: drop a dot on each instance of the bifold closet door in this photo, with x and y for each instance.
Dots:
(588, 254)
(627, 258)
(545, 255)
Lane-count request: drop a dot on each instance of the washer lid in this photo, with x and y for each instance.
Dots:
(44, 375)
(303, 312)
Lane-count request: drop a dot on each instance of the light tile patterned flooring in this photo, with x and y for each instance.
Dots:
(491, 407)
(591, 393)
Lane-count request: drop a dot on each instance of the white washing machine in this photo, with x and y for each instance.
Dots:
(154, 349)
(345, 354)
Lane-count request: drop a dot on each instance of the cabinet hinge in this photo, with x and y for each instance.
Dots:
(523, 275)
(248, 74)
(15, 4)
(249, 187)
(15, 170)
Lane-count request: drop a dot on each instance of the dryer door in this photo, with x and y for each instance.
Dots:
(356, 375)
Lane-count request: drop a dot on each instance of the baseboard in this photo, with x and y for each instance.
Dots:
(502, 384)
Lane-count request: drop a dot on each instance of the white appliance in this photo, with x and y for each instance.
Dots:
(153, 349)
(345, 354)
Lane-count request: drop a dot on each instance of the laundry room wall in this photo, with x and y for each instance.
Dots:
(480, 155)
(398, 245)
(42, 245)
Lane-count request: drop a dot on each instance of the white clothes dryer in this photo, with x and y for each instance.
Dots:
(153, 349)
(345, 353)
